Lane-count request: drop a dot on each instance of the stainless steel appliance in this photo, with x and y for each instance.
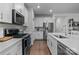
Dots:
(26, 44)
(64, 50)
(17, 18)
(50, 27)
(47, 28)
(44, 31)
(61, 49)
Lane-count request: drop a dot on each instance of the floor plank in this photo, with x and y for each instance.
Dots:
(39, 48)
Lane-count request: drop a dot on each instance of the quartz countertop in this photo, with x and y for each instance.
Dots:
(71, 42)
(9, 43)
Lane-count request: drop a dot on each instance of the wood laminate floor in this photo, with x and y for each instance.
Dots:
(39, 48)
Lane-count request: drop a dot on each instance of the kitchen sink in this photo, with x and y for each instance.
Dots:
(60, 36)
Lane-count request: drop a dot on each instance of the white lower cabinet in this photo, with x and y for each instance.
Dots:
(39, 35)
(49, 42)
(19, 48)
(52, 45)
(9, 51)
(15, 49)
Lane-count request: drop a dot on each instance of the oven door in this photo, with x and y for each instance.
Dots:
(26, 44)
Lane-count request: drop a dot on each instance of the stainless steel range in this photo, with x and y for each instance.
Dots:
(26, 39)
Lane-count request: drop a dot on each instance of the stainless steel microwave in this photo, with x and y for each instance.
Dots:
(17, 18)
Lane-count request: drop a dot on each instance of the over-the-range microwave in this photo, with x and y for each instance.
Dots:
(17, 17)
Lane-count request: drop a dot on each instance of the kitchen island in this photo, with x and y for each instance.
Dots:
(70, 43)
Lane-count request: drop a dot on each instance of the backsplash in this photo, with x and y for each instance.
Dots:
(12, 26)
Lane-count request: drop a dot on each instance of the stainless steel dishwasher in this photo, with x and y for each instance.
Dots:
(61, 49)
(64, 50)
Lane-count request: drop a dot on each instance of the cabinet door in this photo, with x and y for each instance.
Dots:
(39, 34)
(1, 11)
(19, 48)
(19, 7)
(6, 12)
(38, 22)
(49, 42)
(26, 17)
(33, 37)
(52, 44)
(10, 50)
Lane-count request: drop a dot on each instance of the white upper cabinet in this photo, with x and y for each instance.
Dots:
(6, 12)
(19, 7)
(25, 16)
(40, 20)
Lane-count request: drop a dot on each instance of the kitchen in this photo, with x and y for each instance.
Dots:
(39, 28)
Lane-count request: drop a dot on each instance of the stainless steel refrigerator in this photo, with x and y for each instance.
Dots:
(47, 28)
(50, 27)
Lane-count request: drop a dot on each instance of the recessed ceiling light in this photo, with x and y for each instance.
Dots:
(50, 10)
(38, 6)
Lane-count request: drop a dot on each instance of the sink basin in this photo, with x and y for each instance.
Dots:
(60, 36)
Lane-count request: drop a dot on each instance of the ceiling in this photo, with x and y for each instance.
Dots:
(56, 7)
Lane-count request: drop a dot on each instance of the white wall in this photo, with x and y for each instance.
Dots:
(62, 19)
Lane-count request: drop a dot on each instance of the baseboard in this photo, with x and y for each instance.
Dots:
(40, 40)
(49, 51)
